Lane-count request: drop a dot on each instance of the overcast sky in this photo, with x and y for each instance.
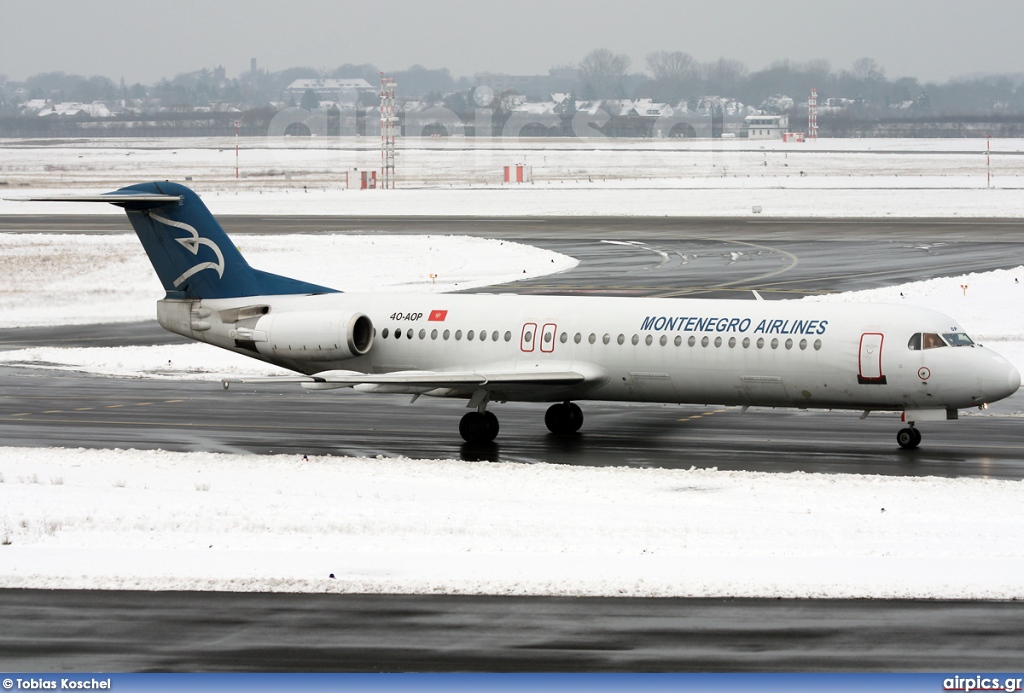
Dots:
(146, 41)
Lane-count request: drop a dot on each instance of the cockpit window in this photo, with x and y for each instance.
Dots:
(930, 340)
(915, 342)
(958, 339)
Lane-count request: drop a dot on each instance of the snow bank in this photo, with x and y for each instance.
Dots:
(78, 279)
(160, 520)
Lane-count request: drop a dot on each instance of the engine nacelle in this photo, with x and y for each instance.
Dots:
(314, 335)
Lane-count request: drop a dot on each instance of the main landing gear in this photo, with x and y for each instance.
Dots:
(480, 427)
(564, 418)
(909, 438)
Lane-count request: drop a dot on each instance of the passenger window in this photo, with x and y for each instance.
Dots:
(760, 342)
(483, 335)
(409, 334)
(494, 336)
(649, 340)
(678, 340)
(775, 343)
(932, 340)
(433, 334)
(789, 343)
(692, 340)
(704, 342)
(817, 345)
(663, 340)
(384, 334)
(469, 335)
(635, 340)
(458, 335)
(718, 341)
(746, 342)
(592, 338)
(446, 335)
(803, 344)
(607, 338)
(577, 338)
(915, 342)
(423, 334)
(564, 338)
(508, 336)
(732, 342)
(398, 334)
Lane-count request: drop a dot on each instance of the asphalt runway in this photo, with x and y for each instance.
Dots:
(209, 631)
(40, 407)
(649, 257)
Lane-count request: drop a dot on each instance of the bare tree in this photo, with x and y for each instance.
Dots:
(867, 70)
(669, 66)
(604, 71)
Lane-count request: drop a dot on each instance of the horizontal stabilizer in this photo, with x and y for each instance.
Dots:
(128, 200)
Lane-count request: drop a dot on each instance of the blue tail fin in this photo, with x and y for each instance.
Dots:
(189, 250)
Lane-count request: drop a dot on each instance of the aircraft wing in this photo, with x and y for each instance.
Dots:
(425, 380)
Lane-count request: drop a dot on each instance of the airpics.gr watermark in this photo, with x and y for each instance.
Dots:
(981, 683)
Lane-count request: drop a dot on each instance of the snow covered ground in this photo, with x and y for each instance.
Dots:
(80, 279)
(161, 520)
(455, 176)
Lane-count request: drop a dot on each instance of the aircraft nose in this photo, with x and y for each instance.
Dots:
(1000, 378)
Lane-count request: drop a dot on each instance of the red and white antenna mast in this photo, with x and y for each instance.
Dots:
(812, 115)
(388, 121)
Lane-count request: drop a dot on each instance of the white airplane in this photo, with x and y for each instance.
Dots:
(486, 349)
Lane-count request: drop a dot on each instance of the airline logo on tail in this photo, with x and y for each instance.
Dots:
(192, 245)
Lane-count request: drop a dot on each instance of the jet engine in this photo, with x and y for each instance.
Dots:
(314, 335)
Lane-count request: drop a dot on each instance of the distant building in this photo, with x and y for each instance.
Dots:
(557, 80)
(329, 89)
(765, 127)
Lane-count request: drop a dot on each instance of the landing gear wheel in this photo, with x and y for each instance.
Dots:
(479, 427)
(492, 424)
(908, 438)
(564, 418)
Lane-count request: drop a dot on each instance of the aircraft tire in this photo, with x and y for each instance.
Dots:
(563, 418)
(477, 428)
(492, 424)
(908, 438)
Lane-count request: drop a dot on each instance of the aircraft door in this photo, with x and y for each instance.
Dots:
(870, 359)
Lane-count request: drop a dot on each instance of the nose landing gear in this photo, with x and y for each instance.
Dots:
(908, 438)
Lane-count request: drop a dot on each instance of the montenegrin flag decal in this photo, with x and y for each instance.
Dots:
(438, 315)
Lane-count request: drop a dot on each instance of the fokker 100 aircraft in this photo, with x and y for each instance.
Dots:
(557, 349)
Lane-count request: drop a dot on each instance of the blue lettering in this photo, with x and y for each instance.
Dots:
(762, 327)
(659, 324)
(648, 323)
(690, 324)
(744, 324)
(723, 324)
(822, 326)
